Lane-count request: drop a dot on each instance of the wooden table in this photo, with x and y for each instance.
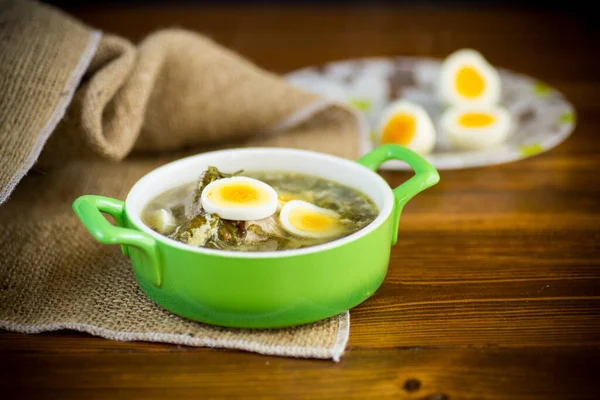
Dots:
(493, 290)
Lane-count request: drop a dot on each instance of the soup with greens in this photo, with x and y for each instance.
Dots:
(259, 211)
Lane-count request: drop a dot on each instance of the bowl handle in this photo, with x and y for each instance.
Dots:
(89, 208)
(425, 175)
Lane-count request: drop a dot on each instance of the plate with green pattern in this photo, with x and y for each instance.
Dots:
(542, 116)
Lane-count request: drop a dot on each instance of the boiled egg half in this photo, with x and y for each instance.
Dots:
(476, 128)
(407, 124)
(239, 198)
(308, 220)
(466, 78)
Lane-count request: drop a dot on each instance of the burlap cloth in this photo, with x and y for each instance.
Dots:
(82, 112)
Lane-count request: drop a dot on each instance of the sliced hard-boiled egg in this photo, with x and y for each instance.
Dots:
(239, 198)
(307, 220)
(466, 78)
(476, 128)
(407, 124)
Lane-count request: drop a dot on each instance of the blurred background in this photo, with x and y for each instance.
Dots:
(576, 6)
(299, 31)
(535, 3)
(522, 35)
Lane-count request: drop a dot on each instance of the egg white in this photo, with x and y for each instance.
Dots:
(463, 137)
(447, 91)
(423, 139)
(263, 208)
(162, 220)
(293, 205)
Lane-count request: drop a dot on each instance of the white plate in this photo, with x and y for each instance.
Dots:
(543, 116)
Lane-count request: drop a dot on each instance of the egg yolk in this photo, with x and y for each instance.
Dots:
(236, 195)
(310, 221)
(469, 82)
(400, 129)
(475, 120)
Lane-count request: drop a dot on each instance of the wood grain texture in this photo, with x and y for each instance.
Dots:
(97, 371)
(493, 291)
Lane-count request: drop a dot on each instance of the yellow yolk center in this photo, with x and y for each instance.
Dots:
(310, 221)
(399, 130)
(475, 120)
(238, 194)
(469, 82)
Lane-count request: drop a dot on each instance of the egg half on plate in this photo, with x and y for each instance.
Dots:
(476, 128)
(466, 78)
(304, 219)
(407, 124)
(239, 198)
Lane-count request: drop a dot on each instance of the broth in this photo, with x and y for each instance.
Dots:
(178, 214)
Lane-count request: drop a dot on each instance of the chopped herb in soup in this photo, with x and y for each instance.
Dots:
(259, 211)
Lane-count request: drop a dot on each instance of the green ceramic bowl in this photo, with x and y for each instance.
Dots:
(268, 289)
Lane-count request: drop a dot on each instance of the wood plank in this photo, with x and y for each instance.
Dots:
(439, 373)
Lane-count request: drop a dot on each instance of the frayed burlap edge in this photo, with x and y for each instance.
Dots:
(334, 353)
(57, 114)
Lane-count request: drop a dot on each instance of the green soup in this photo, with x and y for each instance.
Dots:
(178, 214)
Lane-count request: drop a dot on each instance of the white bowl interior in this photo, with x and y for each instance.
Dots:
(326, 166)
